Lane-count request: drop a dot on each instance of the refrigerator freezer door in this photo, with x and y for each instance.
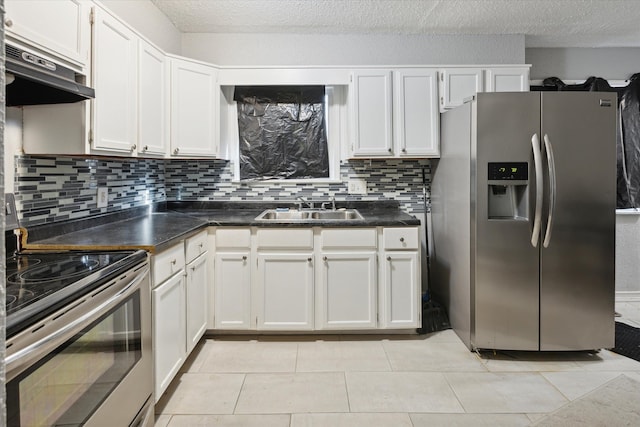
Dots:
(506, 283)
(577, 266)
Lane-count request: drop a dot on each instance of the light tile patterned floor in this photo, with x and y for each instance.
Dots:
(371, 381)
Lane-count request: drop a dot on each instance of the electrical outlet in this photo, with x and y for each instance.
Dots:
(103, 197)
(357, 186)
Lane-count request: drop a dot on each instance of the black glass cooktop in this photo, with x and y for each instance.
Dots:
(40, 283)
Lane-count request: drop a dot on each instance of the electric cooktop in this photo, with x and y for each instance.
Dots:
(37, 284)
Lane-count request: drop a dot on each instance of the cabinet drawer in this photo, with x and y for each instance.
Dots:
(285, 238)
(233, 238)
(401, 238)
(348, 238)
(167, 263)
(195, 246)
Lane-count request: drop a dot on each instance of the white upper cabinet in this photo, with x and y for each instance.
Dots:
(457, 84)
(60, 28)
(514, 79)
(415, 112)
(153, 100)
(394, 113)
(195, 98)
(371, 103)
(115, 54)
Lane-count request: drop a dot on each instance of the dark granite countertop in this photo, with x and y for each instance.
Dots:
(156, 229)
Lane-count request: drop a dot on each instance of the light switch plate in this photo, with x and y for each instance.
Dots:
(103, 197)
(357, 186)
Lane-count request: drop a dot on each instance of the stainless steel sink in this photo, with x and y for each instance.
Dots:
(310, 215)
(336, 215)
(276, 215)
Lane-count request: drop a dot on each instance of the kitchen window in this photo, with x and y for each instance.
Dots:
(286, 134)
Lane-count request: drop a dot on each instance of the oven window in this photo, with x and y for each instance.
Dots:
(68, 385)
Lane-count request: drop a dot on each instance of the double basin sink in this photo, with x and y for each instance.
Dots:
(293, 215)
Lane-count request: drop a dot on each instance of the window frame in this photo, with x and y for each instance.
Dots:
(334, 122)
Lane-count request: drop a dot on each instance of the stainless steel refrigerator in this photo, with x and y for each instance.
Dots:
(523, 212)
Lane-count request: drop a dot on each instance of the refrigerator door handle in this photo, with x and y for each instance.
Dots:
(552, 190)
(537, 161)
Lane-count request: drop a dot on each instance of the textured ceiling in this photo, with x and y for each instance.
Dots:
(545, 23)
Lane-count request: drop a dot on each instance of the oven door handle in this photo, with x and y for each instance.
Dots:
(16, 361)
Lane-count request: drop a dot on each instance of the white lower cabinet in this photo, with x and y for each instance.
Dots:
(179, 303)
(305, 279)
(399, 301)
(196, 300)
(347, 291)
(169, 330)
(232, 290)
(284, 297)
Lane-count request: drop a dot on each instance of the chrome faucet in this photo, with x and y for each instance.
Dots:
(333, 204)
(303, 201)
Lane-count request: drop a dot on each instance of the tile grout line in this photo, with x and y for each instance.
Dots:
(235, 405)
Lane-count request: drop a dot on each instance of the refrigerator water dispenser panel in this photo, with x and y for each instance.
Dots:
(508, 191)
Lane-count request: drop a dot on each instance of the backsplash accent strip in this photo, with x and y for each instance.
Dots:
(54, 189)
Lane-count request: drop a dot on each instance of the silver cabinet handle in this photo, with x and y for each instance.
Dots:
(552, 190)
(176, 151)
(537, 160)
(133, 148)
(145, 148)
(8, 23)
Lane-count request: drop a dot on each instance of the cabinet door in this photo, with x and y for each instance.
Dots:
(285, 291)
(416, 116)
(153, 101)
(194, 100)
(507, 79)
(66, 36)
(400, 291)
(115, 53)
(347, 291)
(232, 290)
(458, 84)
(197, 300)
(169, 331)
(371, 105)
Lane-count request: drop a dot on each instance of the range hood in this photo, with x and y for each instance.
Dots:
(33, 80)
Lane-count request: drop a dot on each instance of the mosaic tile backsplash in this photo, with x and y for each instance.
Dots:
(52, 189)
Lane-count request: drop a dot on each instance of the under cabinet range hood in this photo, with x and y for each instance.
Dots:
(33, 80)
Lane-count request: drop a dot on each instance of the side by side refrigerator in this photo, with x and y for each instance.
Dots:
(523, 211)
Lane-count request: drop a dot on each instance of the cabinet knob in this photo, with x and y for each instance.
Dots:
(244, 257)
(145, 148)
(309, 259)
(201, 244)
(176, 151)
(325, 258)
(390, 150)
(133, 148)
(8, 23)
(388, 258)
(404, 150)
(173, 262)
(402, 239)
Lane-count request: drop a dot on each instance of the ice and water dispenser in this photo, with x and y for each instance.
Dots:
(508, 191)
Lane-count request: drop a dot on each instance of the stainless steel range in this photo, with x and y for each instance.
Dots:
(79, 339)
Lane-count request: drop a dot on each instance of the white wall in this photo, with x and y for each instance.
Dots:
(581, 63)
(352, 49)
(147, 19)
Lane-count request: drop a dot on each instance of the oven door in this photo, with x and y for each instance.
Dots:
(90, 365)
